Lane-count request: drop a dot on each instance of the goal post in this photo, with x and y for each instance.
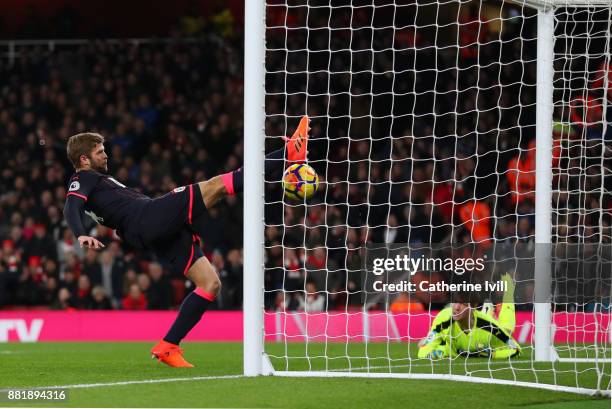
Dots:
(543, 187)
(429, 118)
(254, 137)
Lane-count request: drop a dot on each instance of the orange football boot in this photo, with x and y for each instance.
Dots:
(297, 145)
(169, 354)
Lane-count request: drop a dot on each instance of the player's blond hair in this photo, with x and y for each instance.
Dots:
(82, 144)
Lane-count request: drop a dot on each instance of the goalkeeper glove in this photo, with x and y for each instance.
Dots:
(437, 354)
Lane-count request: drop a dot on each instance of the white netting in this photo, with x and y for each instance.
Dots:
(423, 133)
(582, 181)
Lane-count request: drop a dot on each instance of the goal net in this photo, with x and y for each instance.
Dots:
(457, 135)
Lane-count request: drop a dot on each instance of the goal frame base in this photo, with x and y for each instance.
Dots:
(442, 377)
(551, 4)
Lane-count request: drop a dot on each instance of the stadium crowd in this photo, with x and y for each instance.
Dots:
(428, 138)
(394, 172)
(168, 112)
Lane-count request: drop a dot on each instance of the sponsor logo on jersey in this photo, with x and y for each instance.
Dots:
(179, 189)
(74, 186)
(94, 217)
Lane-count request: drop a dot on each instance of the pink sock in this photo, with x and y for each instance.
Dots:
(207, 296)
(228, 182)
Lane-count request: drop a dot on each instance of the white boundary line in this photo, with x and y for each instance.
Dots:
(135, 382)
(332, 373)
(298, 374)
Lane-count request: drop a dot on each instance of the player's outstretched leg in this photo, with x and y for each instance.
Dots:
(208, 285)
(295, 151)
(201, 272)
(297, 145)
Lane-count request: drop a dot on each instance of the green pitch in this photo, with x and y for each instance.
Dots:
(122, 375)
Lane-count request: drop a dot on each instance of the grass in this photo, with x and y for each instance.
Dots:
(402, 358)
(58, 364)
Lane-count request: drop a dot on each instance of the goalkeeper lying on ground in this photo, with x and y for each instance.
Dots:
(463, 330)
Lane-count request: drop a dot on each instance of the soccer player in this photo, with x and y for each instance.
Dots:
(463, 330)
(169, 225)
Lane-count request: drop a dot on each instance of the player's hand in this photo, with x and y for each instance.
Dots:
(437, 354)
(90, 242)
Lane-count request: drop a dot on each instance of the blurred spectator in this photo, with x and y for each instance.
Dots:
(27, 289)
(69, 281)
(99, 299)
(233, 282)
(144, 282)
(587, 113)
(129, 279)
(286, 301)
(311, 301)
(521, 174)
(82, 299)
(51, 290)
(112, 271)
(91, 266)
(135, 299)
(159, 291)
(403, 304)
(63, 301)
(41, 245)
(476, 217)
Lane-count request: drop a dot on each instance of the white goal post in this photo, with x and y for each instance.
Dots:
(549, 364)
(254, 145)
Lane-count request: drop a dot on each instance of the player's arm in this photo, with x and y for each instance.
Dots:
(80, 187)
(436, 345)
(73, 211)
(506, 346)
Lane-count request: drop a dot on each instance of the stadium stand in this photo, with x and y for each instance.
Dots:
(168, 111)
(171, 113)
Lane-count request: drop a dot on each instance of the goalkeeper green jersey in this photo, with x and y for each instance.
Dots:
(488, 337)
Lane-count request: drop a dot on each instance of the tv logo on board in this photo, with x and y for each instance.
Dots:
(20, 328)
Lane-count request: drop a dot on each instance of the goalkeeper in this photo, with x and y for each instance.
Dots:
(462, 330)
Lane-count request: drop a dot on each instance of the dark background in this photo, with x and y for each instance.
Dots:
(27, 19)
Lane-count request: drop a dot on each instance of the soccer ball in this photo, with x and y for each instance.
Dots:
(300, 182)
